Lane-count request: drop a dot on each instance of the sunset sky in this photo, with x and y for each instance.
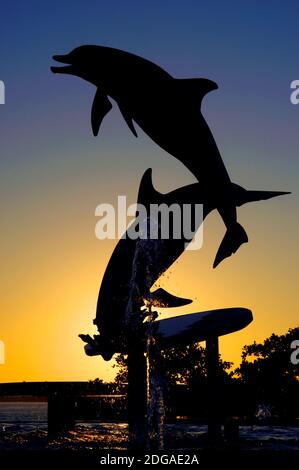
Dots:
(54, 172)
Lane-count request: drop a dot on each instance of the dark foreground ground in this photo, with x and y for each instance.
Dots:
(205, 459)
(92, 449)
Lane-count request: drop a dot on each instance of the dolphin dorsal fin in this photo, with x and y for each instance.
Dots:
(100, 107)
(196, 88)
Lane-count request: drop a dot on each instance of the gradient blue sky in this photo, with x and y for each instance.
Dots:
(53, 172)
(248, 48)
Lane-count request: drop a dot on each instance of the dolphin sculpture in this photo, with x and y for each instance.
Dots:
(168, 110)
(136, 265)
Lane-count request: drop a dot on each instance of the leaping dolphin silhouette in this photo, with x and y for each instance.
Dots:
(135, 266)
(168, 110)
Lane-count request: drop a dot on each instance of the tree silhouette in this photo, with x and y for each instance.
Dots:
(185, 365)
(185, 371)
(269, 376)
(266, 375)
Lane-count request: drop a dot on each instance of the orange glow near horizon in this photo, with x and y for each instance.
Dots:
(53, 265)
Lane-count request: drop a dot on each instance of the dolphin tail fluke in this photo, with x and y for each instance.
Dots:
(243, 196)
(235, 237)
(252, 196)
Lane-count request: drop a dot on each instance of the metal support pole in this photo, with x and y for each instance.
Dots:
(214, 426)
(136, 393)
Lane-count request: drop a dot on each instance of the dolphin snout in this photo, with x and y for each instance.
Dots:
(64, 59)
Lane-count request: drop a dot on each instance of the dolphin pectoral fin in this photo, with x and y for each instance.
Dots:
(128, 120)
(162, 298)
(233, 239)
(196, 88)
(100, 107)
